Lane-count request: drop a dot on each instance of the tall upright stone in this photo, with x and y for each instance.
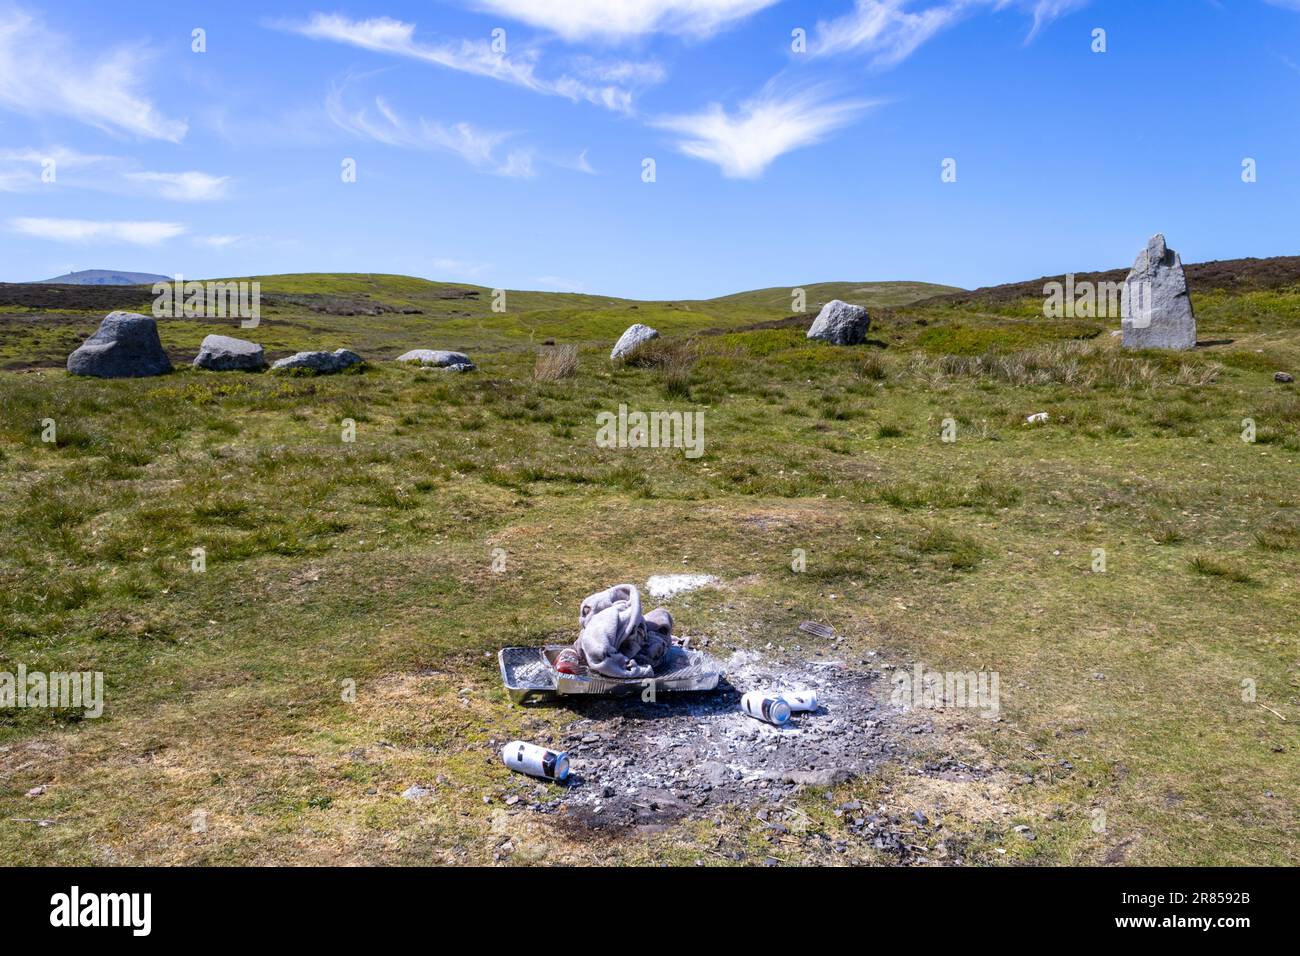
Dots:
(1156, 307)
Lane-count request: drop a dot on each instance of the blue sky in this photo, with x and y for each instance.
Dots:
(524, 168)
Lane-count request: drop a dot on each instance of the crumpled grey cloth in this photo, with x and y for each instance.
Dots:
(616, 640)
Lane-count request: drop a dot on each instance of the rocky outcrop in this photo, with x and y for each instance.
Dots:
(840, 323)
(636, 336)
(439, 359)
(323, 363)
(126, 345)
(221, 353)
(1156, 308)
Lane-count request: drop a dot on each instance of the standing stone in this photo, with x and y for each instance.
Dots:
(635, 336)
(221, 353)
(840, 323)
(324, 363)
(1156, 308)
(438, 358)
(126, 345)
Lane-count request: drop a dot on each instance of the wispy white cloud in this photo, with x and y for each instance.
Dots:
(184, 187)
(383, 124)
(743, 144)
(396, 38)
(890, 31)
(42, 75)
(622, 19)
(23, 169)
(219, 241)
(1045, 11)
(88, 230)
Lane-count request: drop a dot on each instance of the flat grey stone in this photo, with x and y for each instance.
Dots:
(1283, 377)
(221, 353)
(635, 336)
(326, 363)
(1156, 309)
(126, 345)
(438, 358)
(840, 323)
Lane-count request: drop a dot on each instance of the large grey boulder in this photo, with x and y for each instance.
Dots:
(126, 345)
(1156, 309)
(635, 336)
(840, 323)
(438, 358)
(325, 363)
(221, 353)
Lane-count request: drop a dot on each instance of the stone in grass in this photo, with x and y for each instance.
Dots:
(324, 363)
(635, 336)
(840, 323)
(126, 345)
(222, 353)
(439, 359)
(1283, 377)
(1155, 307)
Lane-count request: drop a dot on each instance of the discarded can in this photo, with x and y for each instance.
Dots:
(800, 699)
(569, 661)
(535, 761)
(764, 707)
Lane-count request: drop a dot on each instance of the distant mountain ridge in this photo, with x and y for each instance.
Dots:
(105, 277)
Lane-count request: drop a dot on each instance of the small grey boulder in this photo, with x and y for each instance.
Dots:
(840, 323)
(1283, 377)
(437, 358)
(221, 353)
(126, 345)
(1156, 309)
(324, 363)
(635, 336)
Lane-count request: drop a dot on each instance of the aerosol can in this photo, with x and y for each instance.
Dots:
(535, 761)
(767, 707)
(800, 699)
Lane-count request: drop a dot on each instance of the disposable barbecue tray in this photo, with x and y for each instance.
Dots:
(529, 674)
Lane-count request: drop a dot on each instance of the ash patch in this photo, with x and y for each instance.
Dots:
(638, 764)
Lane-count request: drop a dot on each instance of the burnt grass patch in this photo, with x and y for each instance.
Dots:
(638, 767)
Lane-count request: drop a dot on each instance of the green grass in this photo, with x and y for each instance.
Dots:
(371, 561)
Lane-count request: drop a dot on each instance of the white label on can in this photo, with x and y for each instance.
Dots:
(800, 699)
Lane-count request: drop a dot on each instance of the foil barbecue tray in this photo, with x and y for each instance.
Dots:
(529, 674)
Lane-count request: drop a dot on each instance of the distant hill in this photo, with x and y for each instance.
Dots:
(105, 277)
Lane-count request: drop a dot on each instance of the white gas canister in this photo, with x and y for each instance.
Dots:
(535, 761)
(765, 707)
(800, 699)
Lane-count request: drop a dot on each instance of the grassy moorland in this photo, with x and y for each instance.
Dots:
(369, 561)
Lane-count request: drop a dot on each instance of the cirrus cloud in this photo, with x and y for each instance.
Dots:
(744, 143)
(89, 230)
(622, 19)
(476, 57)
(41, 75)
